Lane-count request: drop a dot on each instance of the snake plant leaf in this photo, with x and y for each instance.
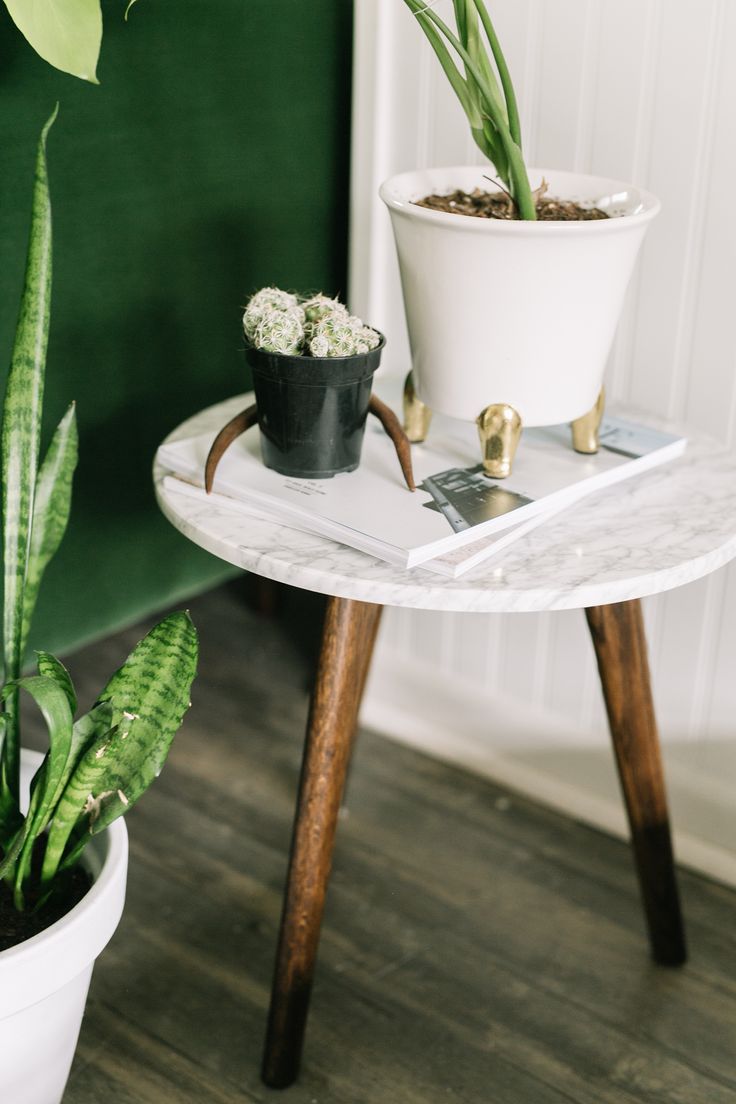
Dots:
(14, 848)
(51, 507)
(154, 682)
(10, 818)
(148, 696)
(65, 33)
(53, 668)
(93, 727)
(53, 702)
(21, 426)
(86, 731)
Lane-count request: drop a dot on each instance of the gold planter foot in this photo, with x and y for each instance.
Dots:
(417, 415)
(585, 429)
(499, 429)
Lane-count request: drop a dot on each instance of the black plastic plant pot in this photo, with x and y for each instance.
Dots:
(312, 410)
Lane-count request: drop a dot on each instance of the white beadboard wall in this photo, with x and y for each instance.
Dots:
(642, 90)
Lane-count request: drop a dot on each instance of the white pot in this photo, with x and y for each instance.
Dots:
(513, 312)
(44, 981)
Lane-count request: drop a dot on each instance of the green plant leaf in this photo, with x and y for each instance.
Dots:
(149, 696)
(20, 443)
(53, 668)
(52, 700)
(65, 33)
(51, 507)
(487, 91)
(512, 111)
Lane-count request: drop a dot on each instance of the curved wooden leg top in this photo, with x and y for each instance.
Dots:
(347, 640)
(620, 646)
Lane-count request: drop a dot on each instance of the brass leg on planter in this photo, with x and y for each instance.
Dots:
(621, 650)
(348, 635)
(417, 414)
(499, 429)
(585, 429)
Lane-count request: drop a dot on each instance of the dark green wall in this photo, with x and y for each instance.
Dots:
(212, 159)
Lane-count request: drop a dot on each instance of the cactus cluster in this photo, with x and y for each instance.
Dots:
(280, 322)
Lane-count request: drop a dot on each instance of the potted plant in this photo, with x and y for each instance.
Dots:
(512, 295)
(313, 364)
(97, 765)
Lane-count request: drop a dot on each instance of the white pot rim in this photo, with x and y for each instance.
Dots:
(84, 930)
(632, 205)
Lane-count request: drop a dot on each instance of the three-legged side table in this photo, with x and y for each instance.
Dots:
(602, 556)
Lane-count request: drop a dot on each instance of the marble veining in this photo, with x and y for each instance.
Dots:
(649, 534)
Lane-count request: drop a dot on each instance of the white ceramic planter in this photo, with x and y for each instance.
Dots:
(44, 981)
(513, 312)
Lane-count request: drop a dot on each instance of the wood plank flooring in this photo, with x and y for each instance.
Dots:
(477, 948)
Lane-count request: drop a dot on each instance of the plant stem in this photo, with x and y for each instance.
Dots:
(503, 72)
(518, 178)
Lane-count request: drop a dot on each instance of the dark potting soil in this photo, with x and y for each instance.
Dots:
(15, 927)
(498, 205)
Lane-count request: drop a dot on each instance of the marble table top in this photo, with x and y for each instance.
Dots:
(654, 532)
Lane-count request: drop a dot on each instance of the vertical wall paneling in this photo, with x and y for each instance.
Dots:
(634, 89)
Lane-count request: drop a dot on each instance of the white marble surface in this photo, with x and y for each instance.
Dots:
(654, 532)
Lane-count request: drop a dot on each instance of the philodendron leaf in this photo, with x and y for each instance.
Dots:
(148, 696)
(20, 442)
(65, 33)
(51, 506)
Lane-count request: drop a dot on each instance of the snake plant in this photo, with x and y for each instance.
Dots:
(100, 762)
(473, 62)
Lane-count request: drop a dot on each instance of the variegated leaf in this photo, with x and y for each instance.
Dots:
(53, 702)
(20, 442)
(53, 668)
(148, 695)
(51, 506)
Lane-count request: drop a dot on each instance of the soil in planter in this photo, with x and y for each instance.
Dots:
(15, 927)
(497, 205)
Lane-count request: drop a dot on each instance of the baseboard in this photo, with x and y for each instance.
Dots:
(538, 755)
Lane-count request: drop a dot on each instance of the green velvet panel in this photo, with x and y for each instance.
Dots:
(211, 160)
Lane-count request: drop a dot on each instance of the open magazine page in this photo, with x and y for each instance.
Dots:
(455, 503)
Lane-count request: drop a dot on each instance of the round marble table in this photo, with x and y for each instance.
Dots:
(675, 524)
(657, 531)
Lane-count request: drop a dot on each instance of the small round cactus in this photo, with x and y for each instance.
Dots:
(266, 300)
(280, 331)
(319, 306)
(366, 339)
(334, 335)
(278, 322)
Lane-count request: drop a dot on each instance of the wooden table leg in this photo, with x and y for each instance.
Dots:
(620, 646)
(361, 679)
(347, 640)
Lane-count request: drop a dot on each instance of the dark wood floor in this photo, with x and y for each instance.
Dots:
(477, 947)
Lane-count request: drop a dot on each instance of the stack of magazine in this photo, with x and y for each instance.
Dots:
(456, 518)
